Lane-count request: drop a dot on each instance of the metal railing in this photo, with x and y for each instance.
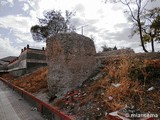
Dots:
(47, 111)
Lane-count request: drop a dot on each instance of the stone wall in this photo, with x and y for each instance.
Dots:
(71, 60)
(18, 72)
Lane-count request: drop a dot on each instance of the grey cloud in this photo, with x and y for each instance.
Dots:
(116, 7)
(120, 36)
(80, 8)
(14, 10)
(25, 7)
(153, 4)
(100, 11)
(121, 25)
(120, 39)
(7, 48)
(77, 22)
(92, 21)
(33, 4)
(16, 23)
(92, 29)
(9, 3)
(89, 24)
(4, 31)
(106, 35)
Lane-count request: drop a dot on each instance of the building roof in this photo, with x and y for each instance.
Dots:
(2, 62)
(8, 59)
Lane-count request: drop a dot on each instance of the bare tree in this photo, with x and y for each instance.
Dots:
(136, 10)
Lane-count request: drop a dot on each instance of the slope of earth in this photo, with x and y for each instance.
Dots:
(121, 81)
(33, 82)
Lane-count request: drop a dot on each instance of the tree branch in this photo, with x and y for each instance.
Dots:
(145, 5)
(131, 12)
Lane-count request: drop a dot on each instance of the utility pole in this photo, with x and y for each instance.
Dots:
(82, 28)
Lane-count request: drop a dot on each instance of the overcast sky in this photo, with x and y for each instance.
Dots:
(106, 23)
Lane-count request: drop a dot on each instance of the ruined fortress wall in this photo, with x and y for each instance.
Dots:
(71, 60)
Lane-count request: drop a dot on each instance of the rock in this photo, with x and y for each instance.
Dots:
(71, 60)
(33, 109)
(116, 85)
(110, 98)
(98, 109)
(106, 113)
(150, 89)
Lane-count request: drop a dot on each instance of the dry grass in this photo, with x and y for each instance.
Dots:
(8, 77)
(33, 82)
(102, 96)
(131, 90)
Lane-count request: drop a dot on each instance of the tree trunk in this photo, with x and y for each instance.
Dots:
(152, 45)
(140, 27)
(141, 38)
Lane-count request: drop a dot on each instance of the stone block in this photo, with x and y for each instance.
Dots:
(71, 60)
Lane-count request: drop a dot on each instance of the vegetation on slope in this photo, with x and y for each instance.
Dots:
(129, 81)
(33, 82)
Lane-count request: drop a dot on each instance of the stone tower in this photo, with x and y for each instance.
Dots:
(71, 60)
